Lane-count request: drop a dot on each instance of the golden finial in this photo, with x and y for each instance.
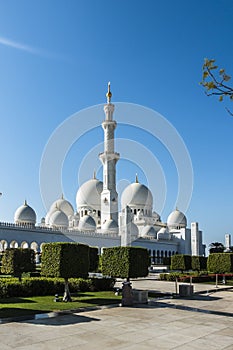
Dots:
(109, 94)
(136, 178)
(62, 196)
(94, 174)
(25, 202)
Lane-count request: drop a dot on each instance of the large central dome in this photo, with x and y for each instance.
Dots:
(136, 195)
(89, 195)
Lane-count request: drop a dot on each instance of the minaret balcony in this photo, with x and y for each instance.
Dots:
(107, 156)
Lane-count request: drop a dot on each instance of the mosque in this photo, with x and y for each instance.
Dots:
(97, 220)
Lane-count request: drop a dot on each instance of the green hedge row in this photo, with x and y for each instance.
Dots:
(11, 287)
(187, 262)
(125, 262)
(220, 262)
(169, 276)
(15, 261)
(181, 262)
(198, 278)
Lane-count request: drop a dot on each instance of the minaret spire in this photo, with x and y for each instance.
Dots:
(109, 94)
(109, 158)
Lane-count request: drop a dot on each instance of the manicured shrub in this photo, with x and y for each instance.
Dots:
(15, 261)
(167, 260)
(66, 260)
(102, 284)
(169, 276)
(220, 262)
(11, 287)
(125, 262)
(199, 263)
(181, 262)
(94, 259)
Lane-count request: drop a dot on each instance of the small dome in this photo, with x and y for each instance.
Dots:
(60, 204)
(110, 226)
(176, 220)
(89, 195)
(48, 215)
(63, 205)
(148, 231)
(136, 194)
(163, 233)
(87, 223)
(25, 215)
(59, 219)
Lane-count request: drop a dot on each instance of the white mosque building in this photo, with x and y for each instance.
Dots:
(98, 221)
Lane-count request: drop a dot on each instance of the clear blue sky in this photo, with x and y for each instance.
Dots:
(56, 58)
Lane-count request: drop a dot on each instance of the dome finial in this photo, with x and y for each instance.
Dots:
(62, 196)
(109, 94)
(94, 175)
(25, 202)
(136, 178)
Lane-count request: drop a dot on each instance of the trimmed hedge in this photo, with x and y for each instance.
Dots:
(125, 262)
(169, 276)
(15, 261)
(199, 263)
(66, 260)
(181, 262)
(201, 277)
(11, 287)
(166, 260)
(220, 262)
(94, 259)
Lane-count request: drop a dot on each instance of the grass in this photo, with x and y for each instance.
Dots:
(14, 307)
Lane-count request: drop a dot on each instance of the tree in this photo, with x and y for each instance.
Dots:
(94, 259)
(216, 247)
(215, 81)
(199, 263)
(181, 262)
(15, 261)
(65, 260)
(220, 262)
(125, 262)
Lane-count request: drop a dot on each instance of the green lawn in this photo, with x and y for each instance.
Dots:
(13, 307)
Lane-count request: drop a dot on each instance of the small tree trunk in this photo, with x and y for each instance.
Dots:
(67, 296)
(20, 277)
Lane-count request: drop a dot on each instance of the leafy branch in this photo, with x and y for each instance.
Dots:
(215, 81)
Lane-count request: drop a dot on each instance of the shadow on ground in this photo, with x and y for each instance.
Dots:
(16, 300)
(63, 320)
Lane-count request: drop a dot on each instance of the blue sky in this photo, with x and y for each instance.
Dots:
(56, 58)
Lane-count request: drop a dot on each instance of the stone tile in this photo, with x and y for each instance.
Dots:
(226, 331)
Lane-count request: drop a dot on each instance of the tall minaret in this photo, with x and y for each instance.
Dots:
(109, 158)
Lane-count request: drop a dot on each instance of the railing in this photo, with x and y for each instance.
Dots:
(57, 230)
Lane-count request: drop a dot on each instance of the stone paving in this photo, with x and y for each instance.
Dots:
(162, 324)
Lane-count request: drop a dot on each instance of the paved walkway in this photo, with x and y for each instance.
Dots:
(204, 321)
